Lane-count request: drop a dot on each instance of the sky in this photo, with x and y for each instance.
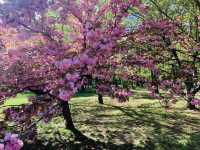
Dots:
(1, 1)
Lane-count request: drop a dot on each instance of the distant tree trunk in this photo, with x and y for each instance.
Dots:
(190, 105)
(67, 115)
(100, 98)
(189, 85)
(155, 81)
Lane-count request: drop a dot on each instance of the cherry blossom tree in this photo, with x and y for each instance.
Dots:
(176, 56)
(72, 42)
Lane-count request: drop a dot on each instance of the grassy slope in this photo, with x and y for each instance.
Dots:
(138, 124)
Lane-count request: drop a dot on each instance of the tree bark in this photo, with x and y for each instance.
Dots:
(67, 115)
(190, 97)
(100, 99)
(155, 81)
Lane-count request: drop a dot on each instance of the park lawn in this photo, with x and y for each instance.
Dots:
(14, 102)
(18, 100)
(139, 124)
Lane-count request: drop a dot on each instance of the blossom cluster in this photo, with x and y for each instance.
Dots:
(195, 101)
(11, 142)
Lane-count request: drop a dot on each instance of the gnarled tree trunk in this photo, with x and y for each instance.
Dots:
(67, 115)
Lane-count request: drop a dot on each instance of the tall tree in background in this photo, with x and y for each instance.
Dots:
(170, 35)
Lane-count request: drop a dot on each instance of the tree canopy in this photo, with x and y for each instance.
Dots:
(61, 46)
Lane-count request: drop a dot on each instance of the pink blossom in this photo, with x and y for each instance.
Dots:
(177, 88)
(73, 77)
(143, 8)
(64, 64)
(12, 142)
(65, 95)
(1, 146)
(195, 101)
(166, 84)
(135, 2)
(122, 94)
(85, 59)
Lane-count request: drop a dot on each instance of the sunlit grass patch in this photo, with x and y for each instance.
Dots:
(14, 102)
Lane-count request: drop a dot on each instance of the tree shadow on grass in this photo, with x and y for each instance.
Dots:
(166, 141)
(113, 127)
(165, 131)
(166, 136)
(81, 142)
(84, 95)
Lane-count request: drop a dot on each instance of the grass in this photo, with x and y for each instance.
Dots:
(14, 102)
(139, 124)
(18, 100)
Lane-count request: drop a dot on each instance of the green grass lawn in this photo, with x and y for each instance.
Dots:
(18, 100)
(138, 124)
(14, 102)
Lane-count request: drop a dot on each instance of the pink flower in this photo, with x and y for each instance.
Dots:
(72, 77)
(12, 142)
(135, 2)
(143, 8)
(85, 59)
(65, 95)
(1, 146)
(166, 84)
(195, 101)
(64, 64)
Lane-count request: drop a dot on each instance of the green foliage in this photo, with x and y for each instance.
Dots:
(185, 11)
(53, 14)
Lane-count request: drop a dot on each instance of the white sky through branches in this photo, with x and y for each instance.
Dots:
(2, 1)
